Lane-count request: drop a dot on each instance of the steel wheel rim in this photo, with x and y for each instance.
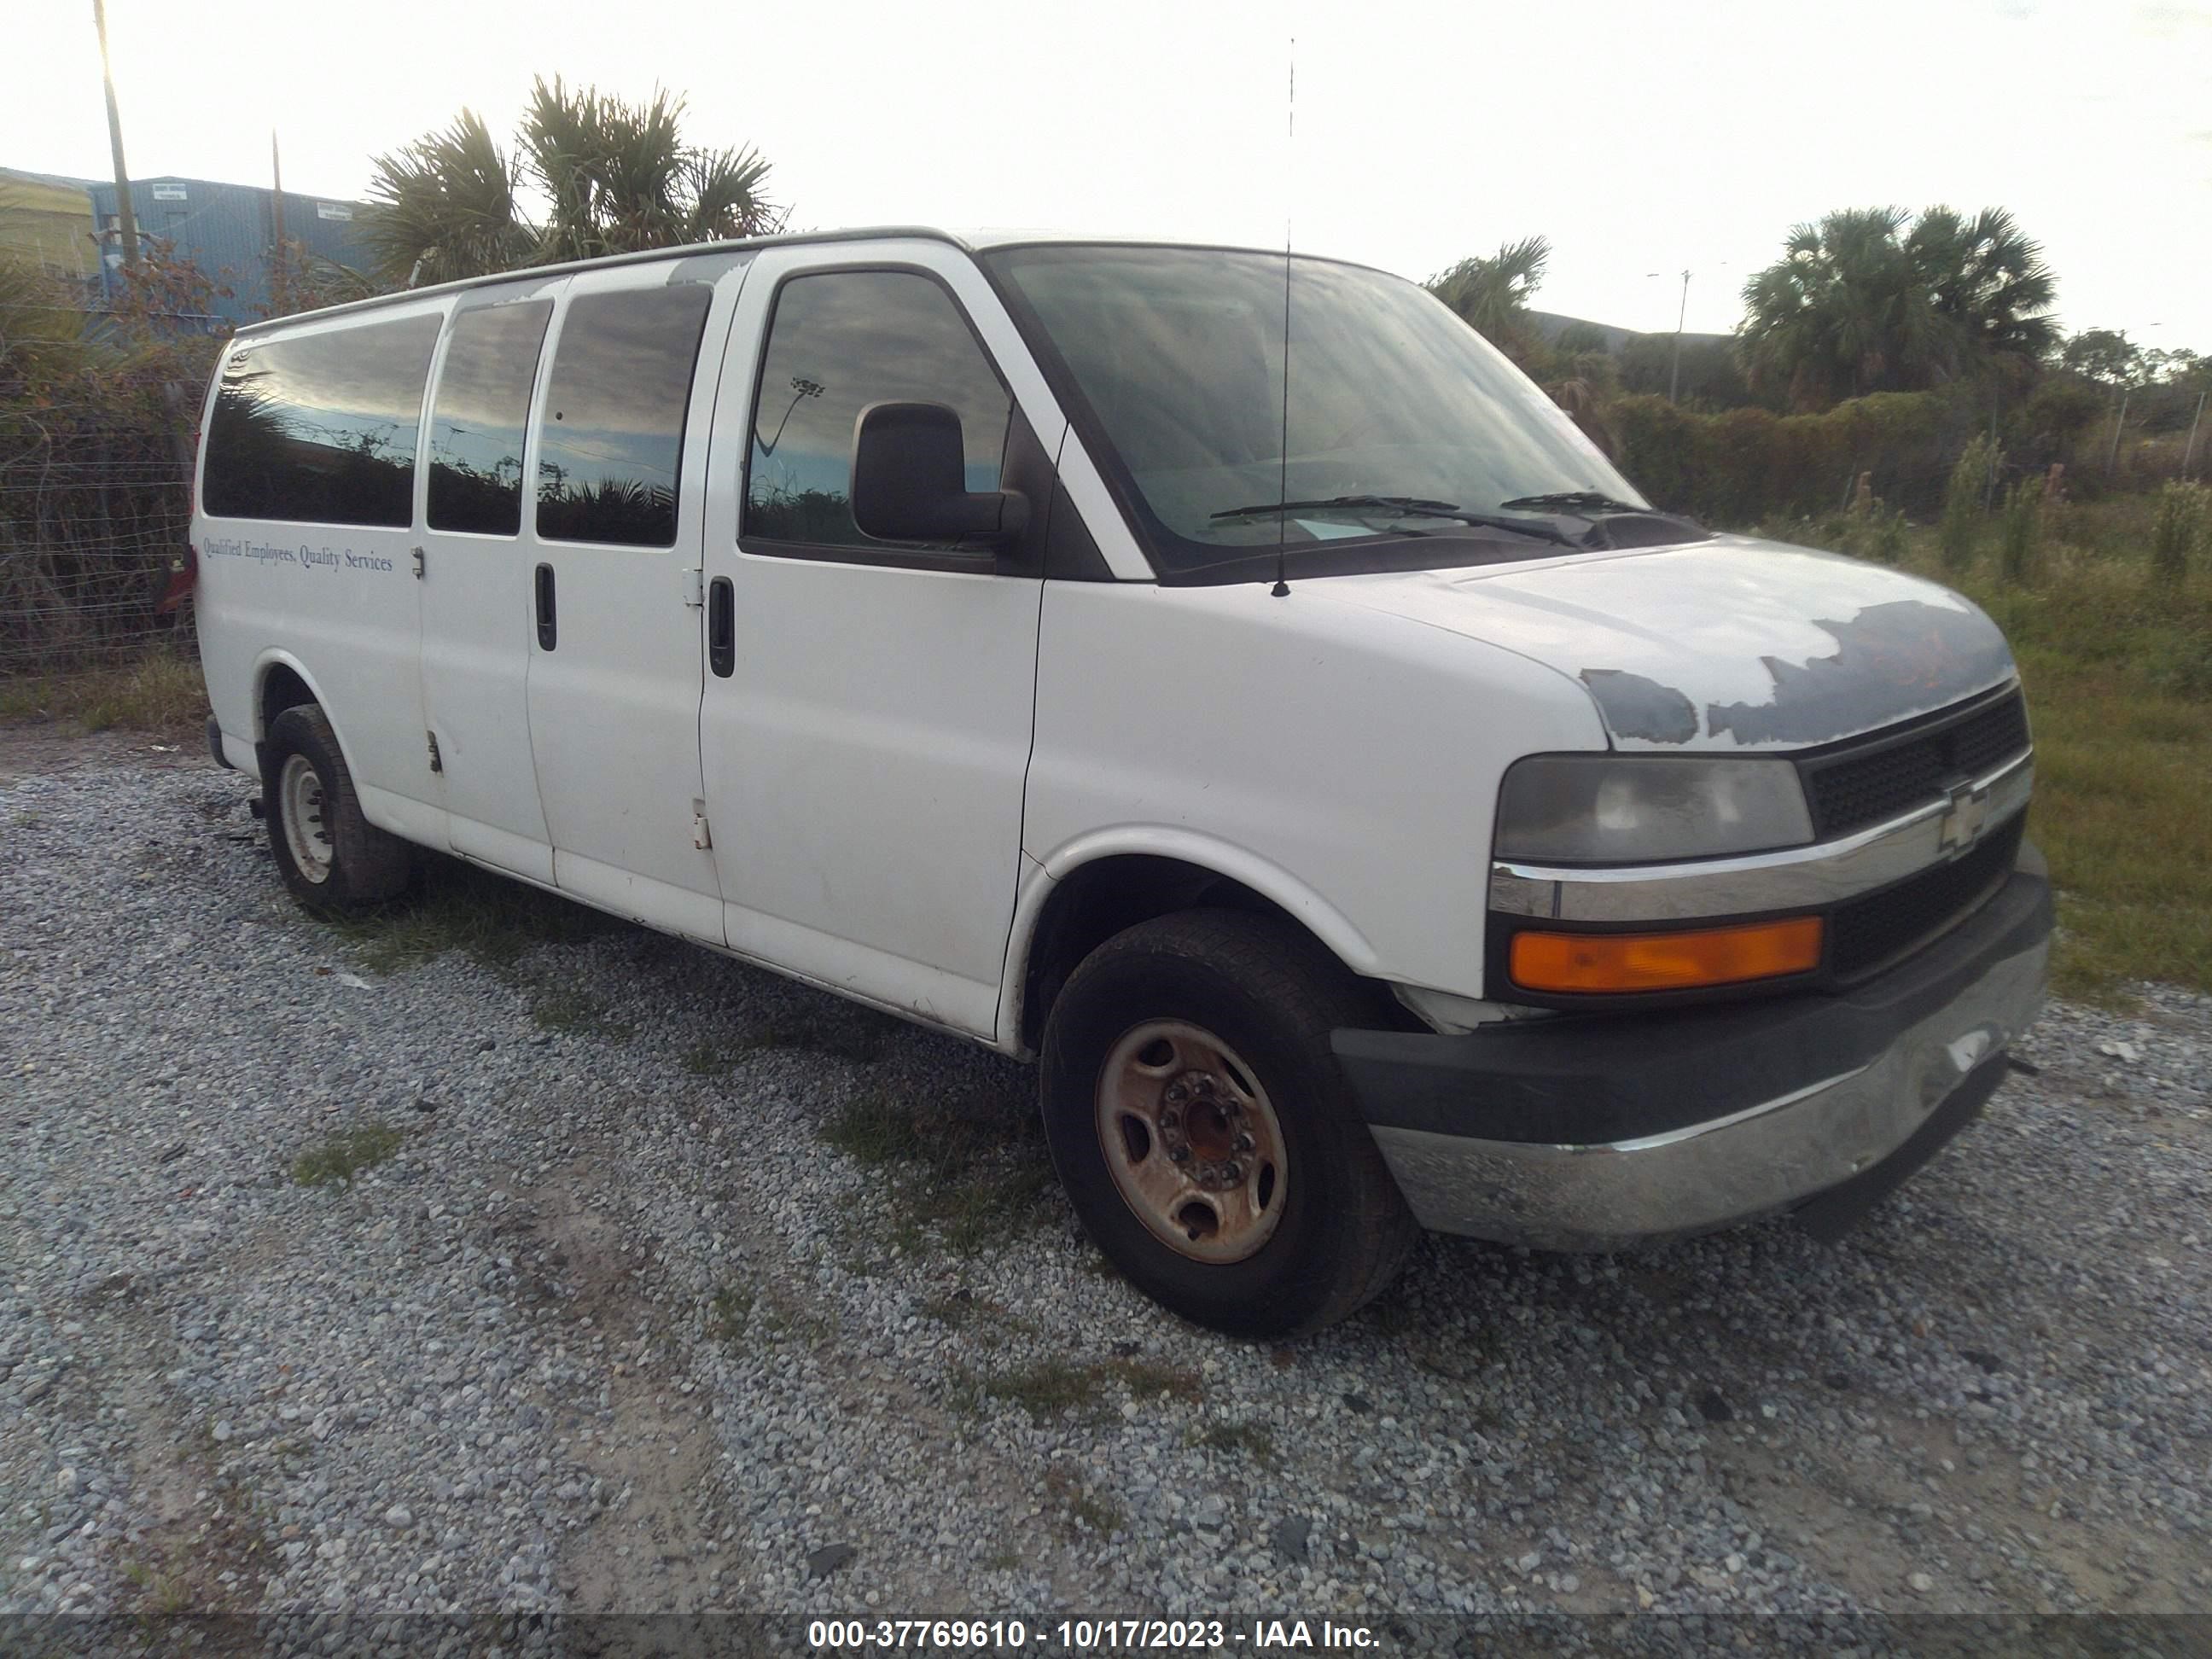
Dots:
(1191, 1142)
(306, 833)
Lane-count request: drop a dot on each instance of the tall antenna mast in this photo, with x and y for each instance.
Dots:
(1282, 588)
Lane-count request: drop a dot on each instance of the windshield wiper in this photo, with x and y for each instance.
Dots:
(1406, 504)
(1576, 498)
(1412, 506)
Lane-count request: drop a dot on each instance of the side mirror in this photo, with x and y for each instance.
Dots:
(910, 481)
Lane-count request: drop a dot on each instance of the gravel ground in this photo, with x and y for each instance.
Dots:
(682, 1288)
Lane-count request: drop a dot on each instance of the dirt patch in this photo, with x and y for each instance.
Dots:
(651, 1448)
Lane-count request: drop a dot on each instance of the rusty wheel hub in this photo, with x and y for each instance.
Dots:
(1191, 1142)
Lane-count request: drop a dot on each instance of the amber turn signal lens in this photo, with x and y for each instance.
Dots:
(1665, 962)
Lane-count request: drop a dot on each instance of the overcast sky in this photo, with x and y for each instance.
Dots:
(1638, 138)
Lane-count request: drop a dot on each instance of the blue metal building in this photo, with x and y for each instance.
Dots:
(229, 231)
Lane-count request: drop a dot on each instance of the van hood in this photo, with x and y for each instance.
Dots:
(1729, 644)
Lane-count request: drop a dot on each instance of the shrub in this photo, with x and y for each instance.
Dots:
(2180, 530)
(1959, 533)
(2019, 532)
(1882, 540)
(1745, 465)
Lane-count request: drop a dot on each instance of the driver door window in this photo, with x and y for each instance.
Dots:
(838, 341)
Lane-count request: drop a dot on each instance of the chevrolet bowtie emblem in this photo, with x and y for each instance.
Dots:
(1964, 818)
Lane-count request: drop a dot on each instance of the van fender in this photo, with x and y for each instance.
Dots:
(276, 658)
(1039, 878)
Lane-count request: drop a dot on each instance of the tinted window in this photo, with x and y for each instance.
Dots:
(320, 428)
(477, 416)
(610, 444)
(840, 342)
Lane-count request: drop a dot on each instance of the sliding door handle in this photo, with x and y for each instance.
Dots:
(721, 627)
(548, 626)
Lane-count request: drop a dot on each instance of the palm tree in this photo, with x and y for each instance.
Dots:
(444, 207)
(1491, 294)
(615, 176)
(1870, 300)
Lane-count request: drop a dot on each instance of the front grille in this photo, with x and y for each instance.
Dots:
(1866, 935)
(1887, 777)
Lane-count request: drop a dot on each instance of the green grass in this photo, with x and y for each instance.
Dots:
(728, 1313)
(843, 1032)
(1082, 1511)
(706, 1059)
(2118, 669)
(564, 1008)
(346, 1154)
(491, 918)
(958, 1182)
(158, 691)
(1051, 1387)
(495, 922)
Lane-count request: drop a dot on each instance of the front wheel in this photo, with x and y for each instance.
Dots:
(1203, 1130)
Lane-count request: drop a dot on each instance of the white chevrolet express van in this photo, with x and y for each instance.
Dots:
(1370, 813)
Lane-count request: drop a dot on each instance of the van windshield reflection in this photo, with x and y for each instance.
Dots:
(1179, 354)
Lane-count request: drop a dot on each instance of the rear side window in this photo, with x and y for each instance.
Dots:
(320, 428)
(840, 342)
(610, 442)
(478, 416)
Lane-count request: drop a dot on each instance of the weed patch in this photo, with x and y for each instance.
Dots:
(490, 919)
(957, 1182)
(159, 691)
(563, 1008)
(1047, 1388)
(729, 1312)
(1051, 1387)
(345, 1155)
(706, 1059)
(1081, 1510)
(847, 1033)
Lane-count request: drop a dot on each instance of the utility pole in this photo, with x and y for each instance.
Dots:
(2112, 461)
(277, 253)
(126, 219)
(2189, 449)
(1674, 373)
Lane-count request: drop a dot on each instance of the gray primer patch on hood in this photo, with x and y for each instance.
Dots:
(1893, 661)
(1637, 707)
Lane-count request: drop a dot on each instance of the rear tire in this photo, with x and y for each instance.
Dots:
(332, 859)
(1204, 1132)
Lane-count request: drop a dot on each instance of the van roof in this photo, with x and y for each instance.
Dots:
(973, 241)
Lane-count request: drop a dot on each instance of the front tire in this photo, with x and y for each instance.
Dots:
(1204, 1132)
(332, 859)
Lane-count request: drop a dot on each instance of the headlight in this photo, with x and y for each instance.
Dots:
(1644, 809)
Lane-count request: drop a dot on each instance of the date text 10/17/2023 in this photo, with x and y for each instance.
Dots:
(1087, 1635)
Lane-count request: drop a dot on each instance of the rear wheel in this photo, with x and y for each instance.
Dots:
(1204, 1132)
(330, 857)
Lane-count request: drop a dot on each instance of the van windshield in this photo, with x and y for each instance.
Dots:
(1393, 400)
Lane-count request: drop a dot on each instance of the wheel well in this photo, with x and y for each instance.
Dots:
(1097, 900)
(282, 688)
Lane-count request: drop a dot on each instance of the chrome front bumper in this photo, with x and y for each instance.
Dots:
(1771, 1154)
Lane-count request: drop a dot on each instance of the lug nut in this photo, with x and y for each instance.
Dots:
(1232, 1174)
(1178, 1154)
(1244, 1143)
(1169, 1118)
